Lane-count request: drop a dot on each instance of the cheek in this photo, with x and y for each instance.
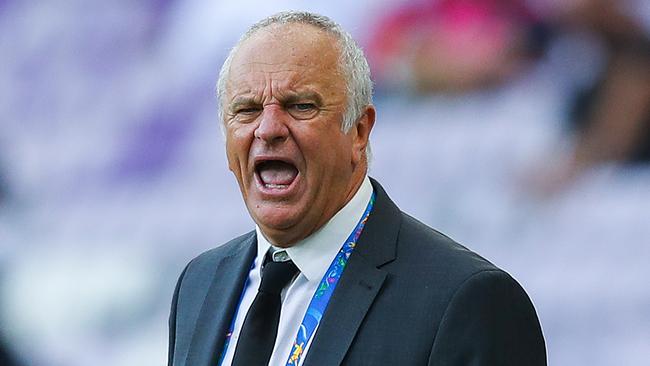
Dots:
(231, 155)
(330, 154)
(242, 131)
(238, 141)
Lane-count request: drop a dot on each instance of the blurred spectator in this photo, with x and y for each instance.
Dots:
(610, 117)
(450, 46)
(454, 45)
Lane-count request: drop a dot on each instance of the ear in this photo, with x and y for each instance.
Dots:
(361, 134)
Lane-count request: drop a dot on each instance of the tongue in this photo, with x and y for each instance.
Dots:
(278, 173)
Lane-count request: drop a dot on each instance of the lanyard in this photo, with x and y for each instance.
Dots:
(321, 297)
(324, 291)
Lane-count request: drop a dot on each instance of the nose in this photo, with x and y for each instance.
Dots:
(272, 127)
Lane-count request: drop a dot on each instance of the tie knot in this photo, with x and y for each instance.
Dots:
(276, 275)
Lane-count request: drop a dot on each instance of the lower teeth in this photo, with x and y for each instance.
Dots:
(270, 185)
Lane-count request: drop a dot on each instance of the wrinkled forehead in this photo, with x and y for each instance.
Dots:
(292, 44)
(305, 37)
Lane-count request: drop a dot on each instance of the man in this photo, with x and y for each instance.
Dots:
(334, 273)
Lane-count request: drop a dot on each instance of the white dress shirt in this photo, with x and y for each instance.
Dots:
(313, 256)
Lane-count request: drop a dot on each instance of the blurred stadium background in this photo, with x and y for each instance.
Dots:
(519, 128)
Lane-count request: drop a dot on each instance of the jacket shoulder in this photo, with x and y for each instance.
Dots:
(198, 274)
(211, 257)
(437, 254)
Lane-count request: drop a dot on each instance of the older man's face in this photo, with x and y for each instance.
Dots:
(285, 99)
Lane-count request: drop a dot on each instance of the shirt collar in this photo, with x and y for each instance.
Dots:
(314, 254)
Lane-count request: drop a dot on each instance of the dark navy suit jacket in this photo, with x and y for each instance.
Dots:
(408, 296)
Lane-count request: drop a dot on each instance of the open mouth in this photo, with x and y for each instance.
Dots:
(276, 174)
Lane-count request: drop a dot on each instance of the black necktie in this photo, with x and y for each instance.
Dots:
(260, 327)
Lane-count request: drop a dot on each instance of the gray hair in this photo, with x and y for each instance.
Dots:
(352, 60)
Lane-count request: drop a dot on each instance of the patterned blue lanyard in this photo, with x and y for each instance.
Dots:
(324, 291)
(321, 297)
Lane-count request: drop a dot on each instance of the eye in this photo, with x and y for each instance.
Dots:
(246, 113)
(303, 106)
(247, 110)
(302, 110)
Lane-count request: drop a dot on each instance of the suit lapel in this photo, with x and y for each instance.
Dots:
(359, 284)
(220, 305)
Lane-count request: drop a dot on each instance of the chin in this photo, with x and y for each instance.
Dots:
(275, 218)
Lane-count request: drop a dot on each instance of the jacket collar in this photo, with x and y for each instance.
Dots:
(359, 285)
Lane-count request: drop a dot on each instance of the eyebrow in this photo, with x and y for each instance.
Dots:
(242, 101)
(290, 98)
(302, 96)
